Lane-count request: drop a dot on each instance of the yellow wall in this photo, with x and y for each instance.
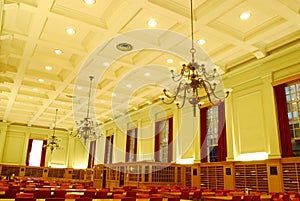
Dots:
(251, 121)
(14, 142)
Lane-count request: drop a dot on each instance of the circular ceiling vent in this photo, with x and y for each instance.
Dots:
(124, 47)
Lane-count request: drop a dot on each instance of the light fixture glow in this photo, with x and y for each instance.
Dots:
(70, 31)
(201, 42)
(152, 23)
(245, 16)
(48, 68)
(147, 74)
(57, 51)
(128, 85)
(35, 89)
(169, 61)
(90, 2)
(41, 80)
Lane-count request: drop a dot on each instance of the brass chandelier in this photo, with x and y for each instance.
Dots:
(53, 141)
(192, 79)
(86, 128)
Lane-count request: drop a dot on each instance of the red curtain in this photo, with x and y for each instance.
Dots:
(203, 133)
(222, 147)
(170, 140)
(111, 148)
(156, 143)
(283, 121)
(128, 146)
(43, 156)
(92, 152)
(28, 151)
(135, 143)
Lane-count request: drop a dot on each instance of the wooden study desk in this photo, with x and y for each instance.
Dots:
(229, 198)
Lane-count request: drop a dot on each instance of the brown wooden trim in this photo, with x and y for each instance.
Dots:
(286, 80)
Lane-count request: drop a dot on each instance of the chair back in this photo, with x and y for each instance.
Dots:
(247, 198)
(83, 199)
(197, 195)
(72, 196)
(153, 191)
(43, 193)
(11, 193)
(236, 198)
(156, 198)
(185, 195)
(101, 194)
(24, 195)
(130, 194)
(55, 199)
(174, 199)
(25, 199)
(256, 198)
(58, 193)
(128, 199)
(89, 194)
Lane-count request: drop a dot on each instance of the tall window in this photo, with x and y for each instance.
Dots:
(108, 149)
(92, 154)
(213, 133)
(36, 153)
(288, 111)
(292, 92)
(131, 145)
(163, 140)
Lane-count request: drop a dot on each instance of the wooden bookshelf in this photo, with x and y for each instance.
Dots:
(291, 174)
(211, 176)
(251, 175)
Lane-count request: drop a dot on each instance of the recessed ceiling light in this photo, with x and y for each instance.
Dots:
(245, 16)
(70, 31)
(128, 85)
(35, 89)
(62, 103)
(57, 51)
(102, 101)
(48, 67)
(106, 64)
(30, 97)
(41, 80)
(113, 94)
(152, 23)
(169, 61)
(79, 87)
(147, 74)
(89, 2)
(201, 42)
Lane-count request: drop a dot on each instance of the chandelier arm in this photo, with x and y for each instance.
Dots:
(213, 92)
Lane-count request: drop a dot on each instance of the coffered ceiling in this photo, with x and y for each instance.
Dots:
(124, 80)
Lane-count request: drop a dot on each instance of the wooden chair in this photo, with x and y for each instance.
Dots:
(11, 193)
(83, 199)
(236, 198)
(59, 193)
(25, 199)
(185, 195)
(55, 199)
(130, 194)
(156, 198)
(128, 199)
(197, 195)
(247, 198)
(43, 194)
(143, 196)
(173, 199)
(255, 198)
(101, 194)
(89, 194)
